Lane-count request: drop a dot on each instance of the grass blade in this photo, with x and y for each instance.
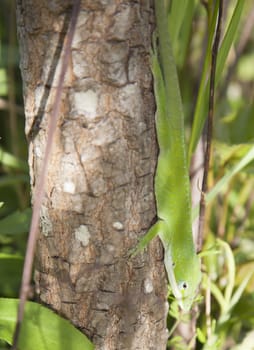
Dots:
(223, 182)
(201, 107)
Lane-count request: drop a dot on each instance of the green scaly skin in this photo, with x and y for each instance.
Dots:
(172, 187)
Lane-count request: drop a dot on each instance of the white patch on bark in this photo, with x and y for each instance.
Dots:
(80, 67)
(113, 58)
(128, 99)
(148, 286)
(90, 153)
(85, 103)
(110, 248)
(79, 35)
(98, 186)
(121, 23)
(38, 95)
(38, 151)
(71, 175)
(102, 306)
(82, 234)
(69, 187)
(45, 222)
(118, 225)
(104, 133)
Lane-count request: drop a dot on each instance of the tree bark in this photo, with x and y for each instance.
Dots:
(99, 190)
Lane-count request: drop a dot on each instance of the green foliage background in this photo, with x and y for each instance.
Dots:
(226, 318)
(14, 178)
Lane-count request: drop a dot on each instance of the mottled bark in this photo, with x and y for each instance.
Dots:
(99, 191)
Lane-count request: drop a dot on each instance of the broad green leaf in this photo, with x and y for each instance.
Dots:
(41, 329)
(17, 222)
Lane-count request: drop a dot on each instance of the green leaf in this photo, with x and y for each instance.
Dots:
(245, 68)
(180, 12)
(10, 272)
(224, 181)
(238, 293)
(247, 343)
(3, 82)
(229, 38)
(10, 180)
(184, 39)
(176, 17)
(41, 329)
(202, 99)
(201, 336)
(230, 263)
(17, 222)
(217, 295)
(249, 157)
(11, 161)
(202, 102)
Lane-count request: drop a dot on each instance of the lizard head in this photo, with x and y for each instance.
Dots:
(184, 281)
(187, 290)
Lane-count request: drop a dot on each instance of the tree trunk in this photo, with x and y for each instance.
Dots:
(99, 190)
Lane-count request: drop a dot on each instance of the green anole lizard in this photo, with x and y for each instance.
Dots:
(172, 188)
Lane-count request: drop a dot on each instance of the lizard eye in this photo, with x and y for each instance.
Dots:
(183, 285)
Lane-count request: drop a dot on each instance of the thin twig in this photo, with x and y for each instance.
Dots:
(209, 125)
(39, 189)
